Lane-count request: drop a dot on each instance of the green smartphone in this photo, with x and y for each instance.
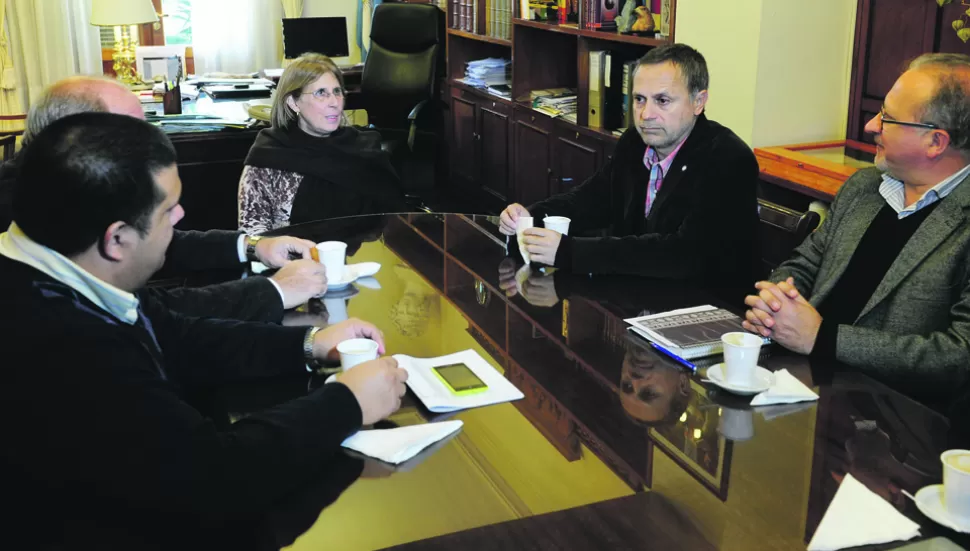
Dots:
(460, 379)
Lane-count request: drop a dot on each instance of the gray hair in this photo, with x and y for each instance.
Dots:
(949, 108)
(692, 65)
(59, 101)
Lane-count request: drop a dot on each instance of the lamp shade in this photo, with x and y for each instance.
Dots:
(108, 13)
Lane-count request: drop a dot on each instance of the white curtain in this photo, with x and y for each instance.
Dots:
(10, 103)
(243, 38)
(51, 40)
(293, 8)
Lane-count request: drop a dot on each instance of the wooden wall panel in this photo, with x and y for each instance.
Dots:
(889, 34)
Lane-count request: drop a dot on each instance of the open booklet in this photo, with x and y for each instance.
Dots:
(439, 398)
(689, 332)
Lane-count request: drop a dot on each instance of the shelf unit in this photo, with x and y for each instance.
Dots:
(502, 150)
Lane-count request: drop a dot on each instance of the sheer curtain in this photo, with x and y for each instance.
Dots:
(243, 36)
(50, 40)
(10, 103)
(293, 8)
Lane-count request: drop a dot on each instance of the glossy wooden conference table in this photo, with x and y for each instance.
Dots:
(613, 447)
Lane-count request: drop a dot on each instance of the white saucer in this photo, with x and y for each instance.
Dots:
(352, 272)
(763, 379)
(929, 501)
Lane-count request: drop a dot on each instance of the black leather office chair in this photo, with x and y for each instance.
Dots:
(782, 229)
(398, 87)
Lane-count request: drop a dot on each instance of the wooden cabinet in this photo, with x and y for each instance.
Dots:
(494, 139)
(532, 158)
(480, 146)
(551, 156)
(464, 143)
(577, 158)
(889, 33)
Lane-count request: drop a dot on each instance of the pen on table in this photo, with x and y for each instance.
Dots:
(674, 357)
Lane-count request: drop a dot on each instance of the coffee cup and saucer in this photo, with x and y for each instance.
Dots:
(740, 372)
(333, 254)
(949, 503)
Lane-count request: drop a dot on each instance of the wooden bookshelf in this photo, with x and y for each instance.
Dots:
(480, 37)
(589, 33)
(503, 151)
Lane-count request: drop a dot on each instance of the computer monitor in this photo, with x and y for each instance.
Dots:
(323, 35)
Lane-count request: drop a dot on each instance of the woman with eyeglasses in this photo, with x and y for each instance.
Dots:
(311, 165)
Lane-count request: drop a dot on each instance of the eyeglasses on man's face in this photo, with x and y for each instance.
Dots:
(886, 119)
(324, 94)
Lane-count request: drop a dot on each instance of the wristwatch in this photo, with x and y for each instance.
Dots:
(251, 247)
(308, 346)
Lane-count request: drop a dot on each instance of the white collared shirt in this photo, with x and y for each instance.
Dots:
(16, 245)
(894, 192)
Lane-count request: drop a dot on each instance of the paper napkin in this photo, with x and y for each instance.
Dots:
(786, 390)
(857, 516)
(402, 443)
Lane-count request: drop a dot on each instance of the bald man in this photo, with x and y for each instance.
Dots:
(253, 299)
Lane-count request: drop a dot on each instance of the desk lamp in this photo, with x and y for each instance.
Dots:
(123, 15)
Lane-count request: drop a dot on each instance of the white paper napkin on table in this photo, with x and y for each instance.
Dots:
(786, 390)
(857, 516)
(402, 443)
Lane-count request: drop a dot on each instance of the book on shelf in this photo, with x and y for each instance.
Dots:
(597, 92)
(629, 68)
(665, 13)
(501, 90)
(614, 92)
(689, 332)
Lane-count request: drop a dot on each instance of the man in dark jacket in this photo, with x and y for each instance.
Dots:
(678, 198)
(94, 400)
(257, 298)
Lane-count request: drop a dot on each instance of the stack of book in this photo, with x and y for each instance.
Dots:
(492, 74)
(556, 102)
(498, 18)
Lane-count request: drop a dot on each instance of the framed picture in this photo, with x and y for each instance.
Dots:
(695, 443)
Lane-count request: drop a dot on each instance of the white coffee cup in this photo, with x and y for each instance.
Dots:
(522, 224)
(356, 351)
(336, 310)
(736, 424)
(956, 483)
(332, 256)
(741, 352)
(557, 223)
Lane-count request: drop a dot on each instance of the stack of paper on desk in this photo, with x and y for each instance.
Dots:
(438, 398)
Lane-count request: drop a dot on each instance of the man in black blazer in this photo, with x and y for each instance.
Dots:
(256, 298)
(93, 404)
(678, 198)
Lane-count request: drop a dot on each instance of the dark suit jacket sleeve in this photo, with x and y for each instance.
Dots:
(199, 251)
(117, 426)
(250, 299)
(723, 194)
(216, 351)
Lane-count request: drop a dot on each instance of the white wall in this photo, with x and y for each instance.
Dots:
(727, 34)
(804, 69)
(779, 68)
(338, 8)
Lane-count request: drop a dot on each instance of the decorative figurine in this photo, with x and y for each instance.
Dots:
(625, 20)
(644, 21)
